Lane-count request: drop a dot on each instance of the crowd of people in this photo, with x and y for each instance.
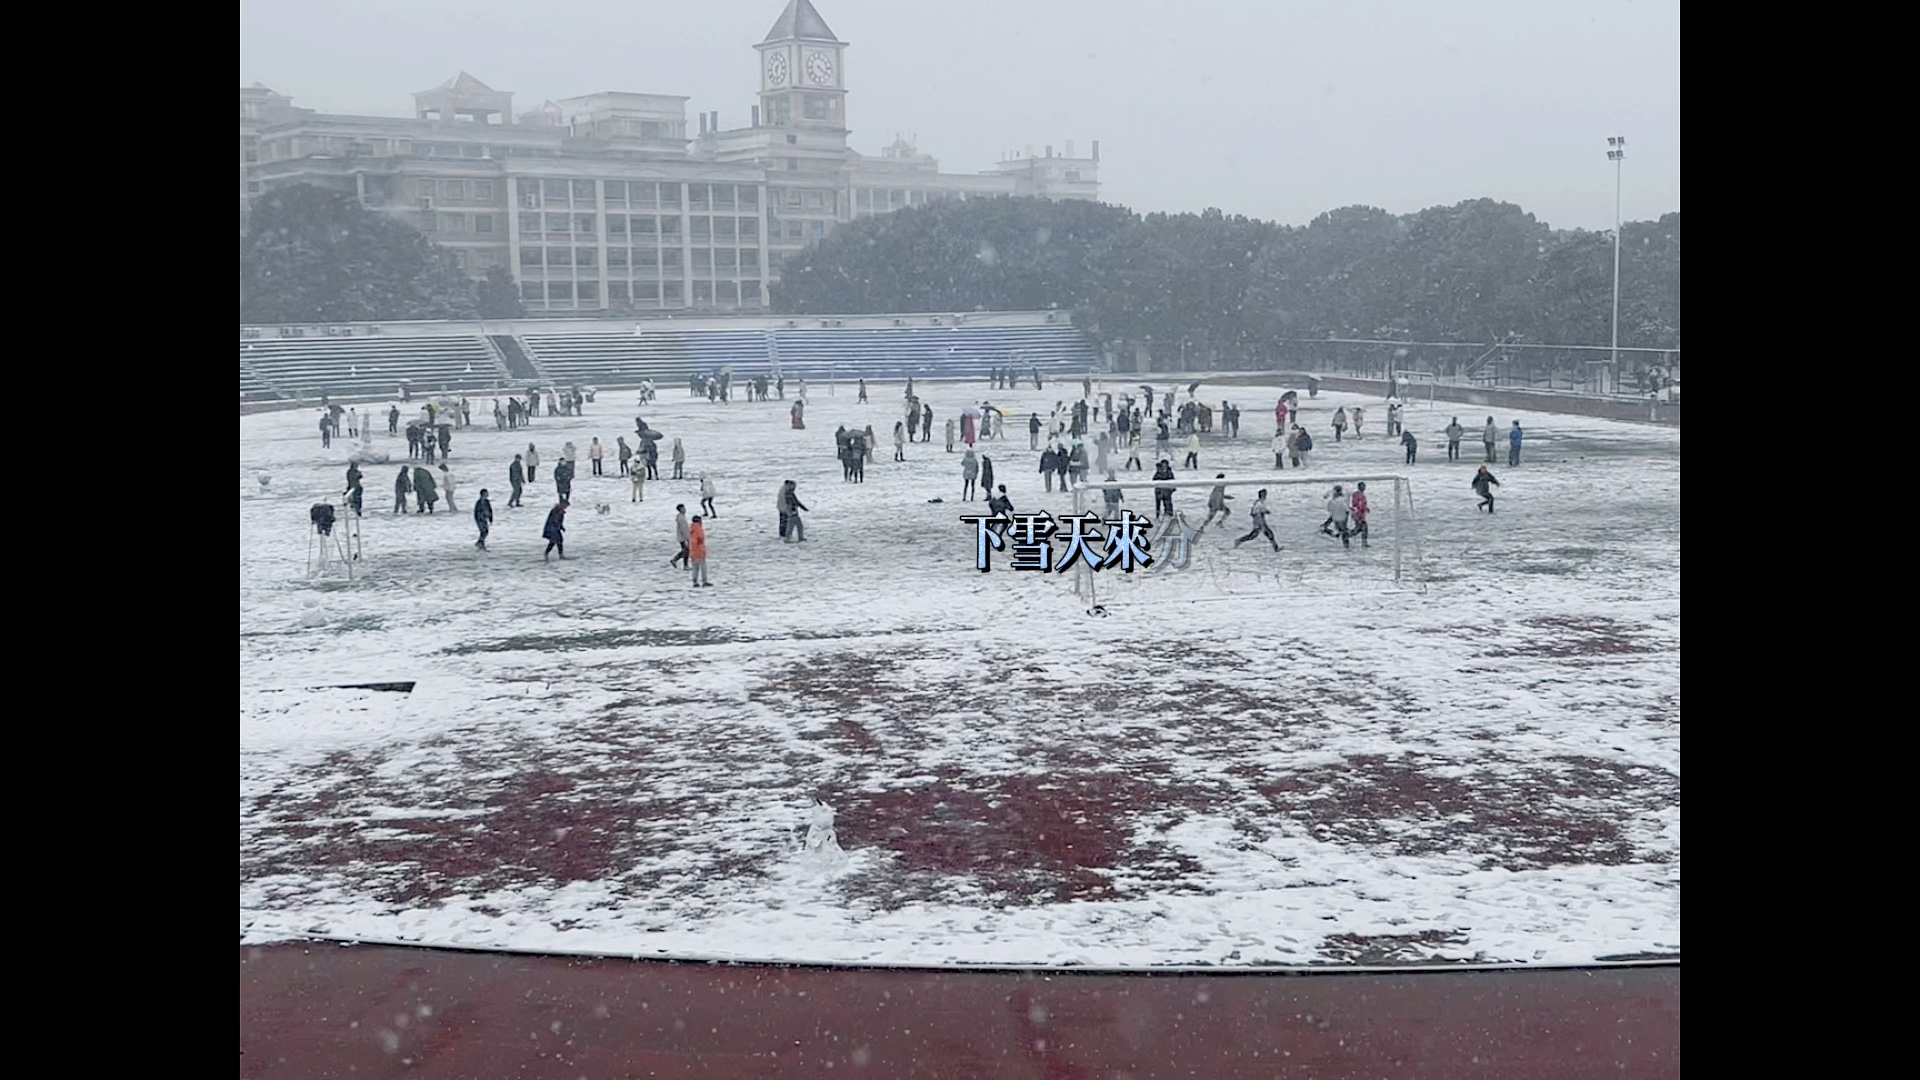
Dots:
(1101, 433)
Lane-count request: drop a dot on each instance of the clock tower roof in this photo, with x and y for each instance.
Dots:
(800, 22)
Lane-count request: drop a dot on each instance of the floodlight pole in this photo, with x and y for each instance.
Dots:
(1616, 155)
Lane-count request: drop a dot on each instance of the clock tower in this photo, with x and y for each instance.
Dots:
(802, 83)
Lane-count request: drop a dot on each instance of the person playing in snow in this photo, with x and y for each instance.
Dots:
(679, 455)
(913, 421)
(1163, 496)
(950, 434)
(482, 518)
(425, 494)
(595, 453)
(1033, 432)
(1280, 449)
(393, 418)
(326, 430)
(563, 479)
(1339, 422)
(1193, 451)
(402, 487)
(638, 478)
(1133, 450)
(623, 452)
(1483, 483)
(555, 531)
(796, 532)
(1339, 511)
(697, 552)
(863, 392)
(1217, 501)
(1454, 431)
(969, 472)
(796, 415)
(446, 485)
(532, 457)
(899, 440)
(870, 442)
(1488, 436)
(1358, 505)
(517, 476)
(706, 496)
(1359, 417)
(1258, 513)
(682, 533)
(1393, 418)
(1513, 444)
(986, 473)
(1412, 444)
(1304, 443)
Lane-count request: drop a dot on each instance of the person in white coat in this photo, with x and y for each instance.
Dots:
(1279, 450)
(1193, 451)
(706, 496)
(446, 486)
(532, 461)
(1338, 512)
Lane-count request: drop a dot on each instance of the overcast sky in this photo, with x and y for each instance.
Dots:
(1279, 109)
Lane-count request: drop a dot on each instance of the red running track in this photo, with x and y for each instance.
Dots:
(372, 1011)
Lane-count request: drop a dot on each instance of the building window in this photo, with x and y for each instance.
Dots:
(818, 229)
(485, 259)
(557, 223)
(1073, 176)
(669, 194)
(530, 256)
(726, 292)
(589, 291)
(646, 226)
(649, 129)
(483, 223)
(723, 196)
(815, 200)
(617, 291)
(648, 258)
(703, 292)
(554, 191)
(672, 292)
(530, 224)
(559, 256)
(647, 290)
(532, 290)
(702, 261)
(583, 193)
(584, 225)
(586, 256)
(795, 230)
(863, 199)
(749, 292)
(670, 258)
(702, 229)
(453, 223)
(483, 190)
(793, 165)
(455, 189)
(749, 197)
(615, 193)
(460, 259)
(560, 290)
(795, 199)
(749, 230)
(723, 230)
(819, 107)
(641, 196)
(616, 256)
(670, 229)
(616, 224)
(253, 187)
(724, 259)
(697, 197)
(791, 139)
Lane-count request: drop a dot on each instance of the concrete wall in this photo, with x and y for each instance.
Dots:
(1610, 408)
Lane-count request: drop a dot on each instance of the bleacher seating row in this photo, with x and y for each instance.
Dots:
(670, 356)
(364, 367)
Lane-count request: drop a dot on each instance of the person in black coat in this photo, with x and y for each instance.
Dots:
(1163, 496)
(555, 531)
(517, 476)
(1483, 483)
(986, 473)
(483, 518)
(563, 479)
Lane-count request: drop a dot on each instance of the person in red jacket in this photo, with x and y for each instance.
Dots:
(697, 551)
(1359, 508)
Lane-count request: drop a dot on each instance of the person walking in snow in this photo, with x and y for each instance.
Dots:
(516, 476)
(1133, 450)
(969, 473)
(796, 531)
(482, 518)
(1279, 450)
(563, 479)
(595, 453)
(697, 552)
(425, 493)
(1193, 451)
(986, 473)
(950, 434)
(638, 479)
(623, 452)
(1163, 496)
(1304, 443)
(1217, 502)
(679, 456)
(1359, 417)
(706, 496)
(532, 458)
(402, 487)
(1483, 483)
(446, 486)
(1033, 432)
(555, 531)
(1412, 444)
(1339, 423)
(326, 430)
(863, 392)
(1454, 431)
(1488, 436)
(682, 533)
(1258, 513)
(1513, 444)
(899, 440)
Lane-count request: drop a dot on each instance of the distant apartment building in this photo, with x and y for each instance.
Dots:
(608, 201)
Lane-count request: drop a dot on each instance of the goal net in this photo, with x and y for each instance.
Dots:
(1200, 554)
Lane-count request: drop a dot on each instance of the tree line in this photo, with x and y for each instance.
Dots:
(1237, 289)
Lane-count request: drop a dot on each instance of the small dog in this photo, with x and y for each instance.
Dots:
(603, 509)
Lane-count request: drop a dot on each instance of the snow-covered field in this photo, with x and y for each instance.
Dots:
(1312, 767)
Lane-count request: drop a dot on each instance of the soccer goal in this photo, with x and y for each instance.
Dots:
(1194, 551)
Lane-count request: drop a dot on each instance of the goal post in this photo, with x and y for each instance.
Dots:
(1198, 546)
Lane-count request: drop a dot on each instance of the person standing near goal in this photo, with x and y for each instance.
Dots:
(1258, 512)
(1488, 436)
(1513, 444)
(1412, 444)
(1358, 504)
(1217, 502)
(1338, 513)
(1454, 431)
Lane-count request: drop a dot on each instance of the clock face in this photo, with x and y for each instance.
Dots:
(776, 69)
(820, 67)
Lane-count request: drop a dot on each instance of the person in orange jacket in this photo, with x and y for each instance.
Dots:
(697, 550)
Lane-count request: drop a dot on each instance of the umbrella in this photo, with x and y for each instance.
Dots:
(641, 429)
(1192, 386)
(1146, 391)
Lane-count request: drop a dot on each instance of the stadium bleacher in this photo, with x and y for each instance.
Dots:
(671, 356)
(361, 367)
